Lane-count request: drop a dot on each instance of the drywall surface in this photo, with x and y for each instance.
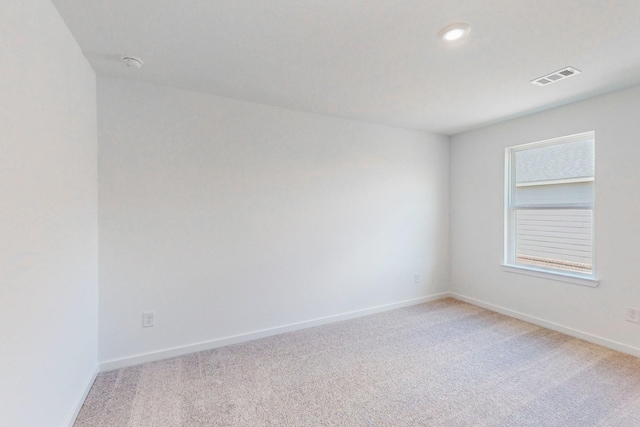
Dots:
(477, 195)
(48, 217)
(226, 217)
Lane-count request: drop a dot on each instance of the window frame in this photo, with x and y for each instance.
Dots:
(510, 208)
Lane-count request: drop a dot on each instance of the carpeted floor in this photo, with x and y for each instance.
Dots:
(444, 363)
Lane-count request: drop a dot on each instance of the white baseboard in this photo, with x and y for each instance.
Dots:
(221, 342)
(624, 348)
(80, 400)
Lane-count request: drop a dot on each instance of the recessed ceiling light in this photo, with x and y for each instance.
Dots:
(132, 61)
(454, 32)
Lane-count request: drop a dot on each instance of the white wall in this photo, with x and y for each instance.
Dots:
(227, 217)
(477, 174)
(48, 217)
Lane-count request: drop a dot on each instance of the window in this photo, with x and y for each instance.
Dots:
(549, 203)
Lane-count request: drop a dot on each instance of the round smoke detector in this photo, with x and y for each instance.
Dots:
(132, 61)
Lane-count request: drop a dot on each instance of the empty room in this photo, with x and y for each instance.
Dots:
(319, 213)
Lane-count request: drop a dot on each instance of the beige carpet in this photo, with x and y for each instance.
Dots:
(444, 363)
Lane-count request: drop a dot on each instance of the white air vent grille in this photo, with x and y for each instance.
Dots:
(556, 76)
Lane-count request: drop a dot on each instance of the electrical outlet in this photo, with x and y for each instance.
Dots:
(148, 319)
(633, 315)
(416, 278)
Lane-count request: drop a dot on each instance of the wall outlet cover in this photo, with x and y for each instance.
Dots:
(148, 319)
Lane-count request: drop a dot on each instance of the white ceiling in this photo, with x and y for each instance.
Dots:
(374, 60)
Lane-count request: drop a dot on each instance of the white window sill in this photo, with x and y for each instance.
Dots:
(545, 274)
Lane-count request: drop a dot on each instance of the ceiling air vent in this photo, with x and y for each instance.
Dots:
(555, 76)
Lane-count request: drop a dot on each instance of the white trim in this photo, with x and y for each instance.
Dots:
(137, 359)
(557, 181)
(551, 275)
(552, 141)
(71, 419)
(605, 342)
(509, 237)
